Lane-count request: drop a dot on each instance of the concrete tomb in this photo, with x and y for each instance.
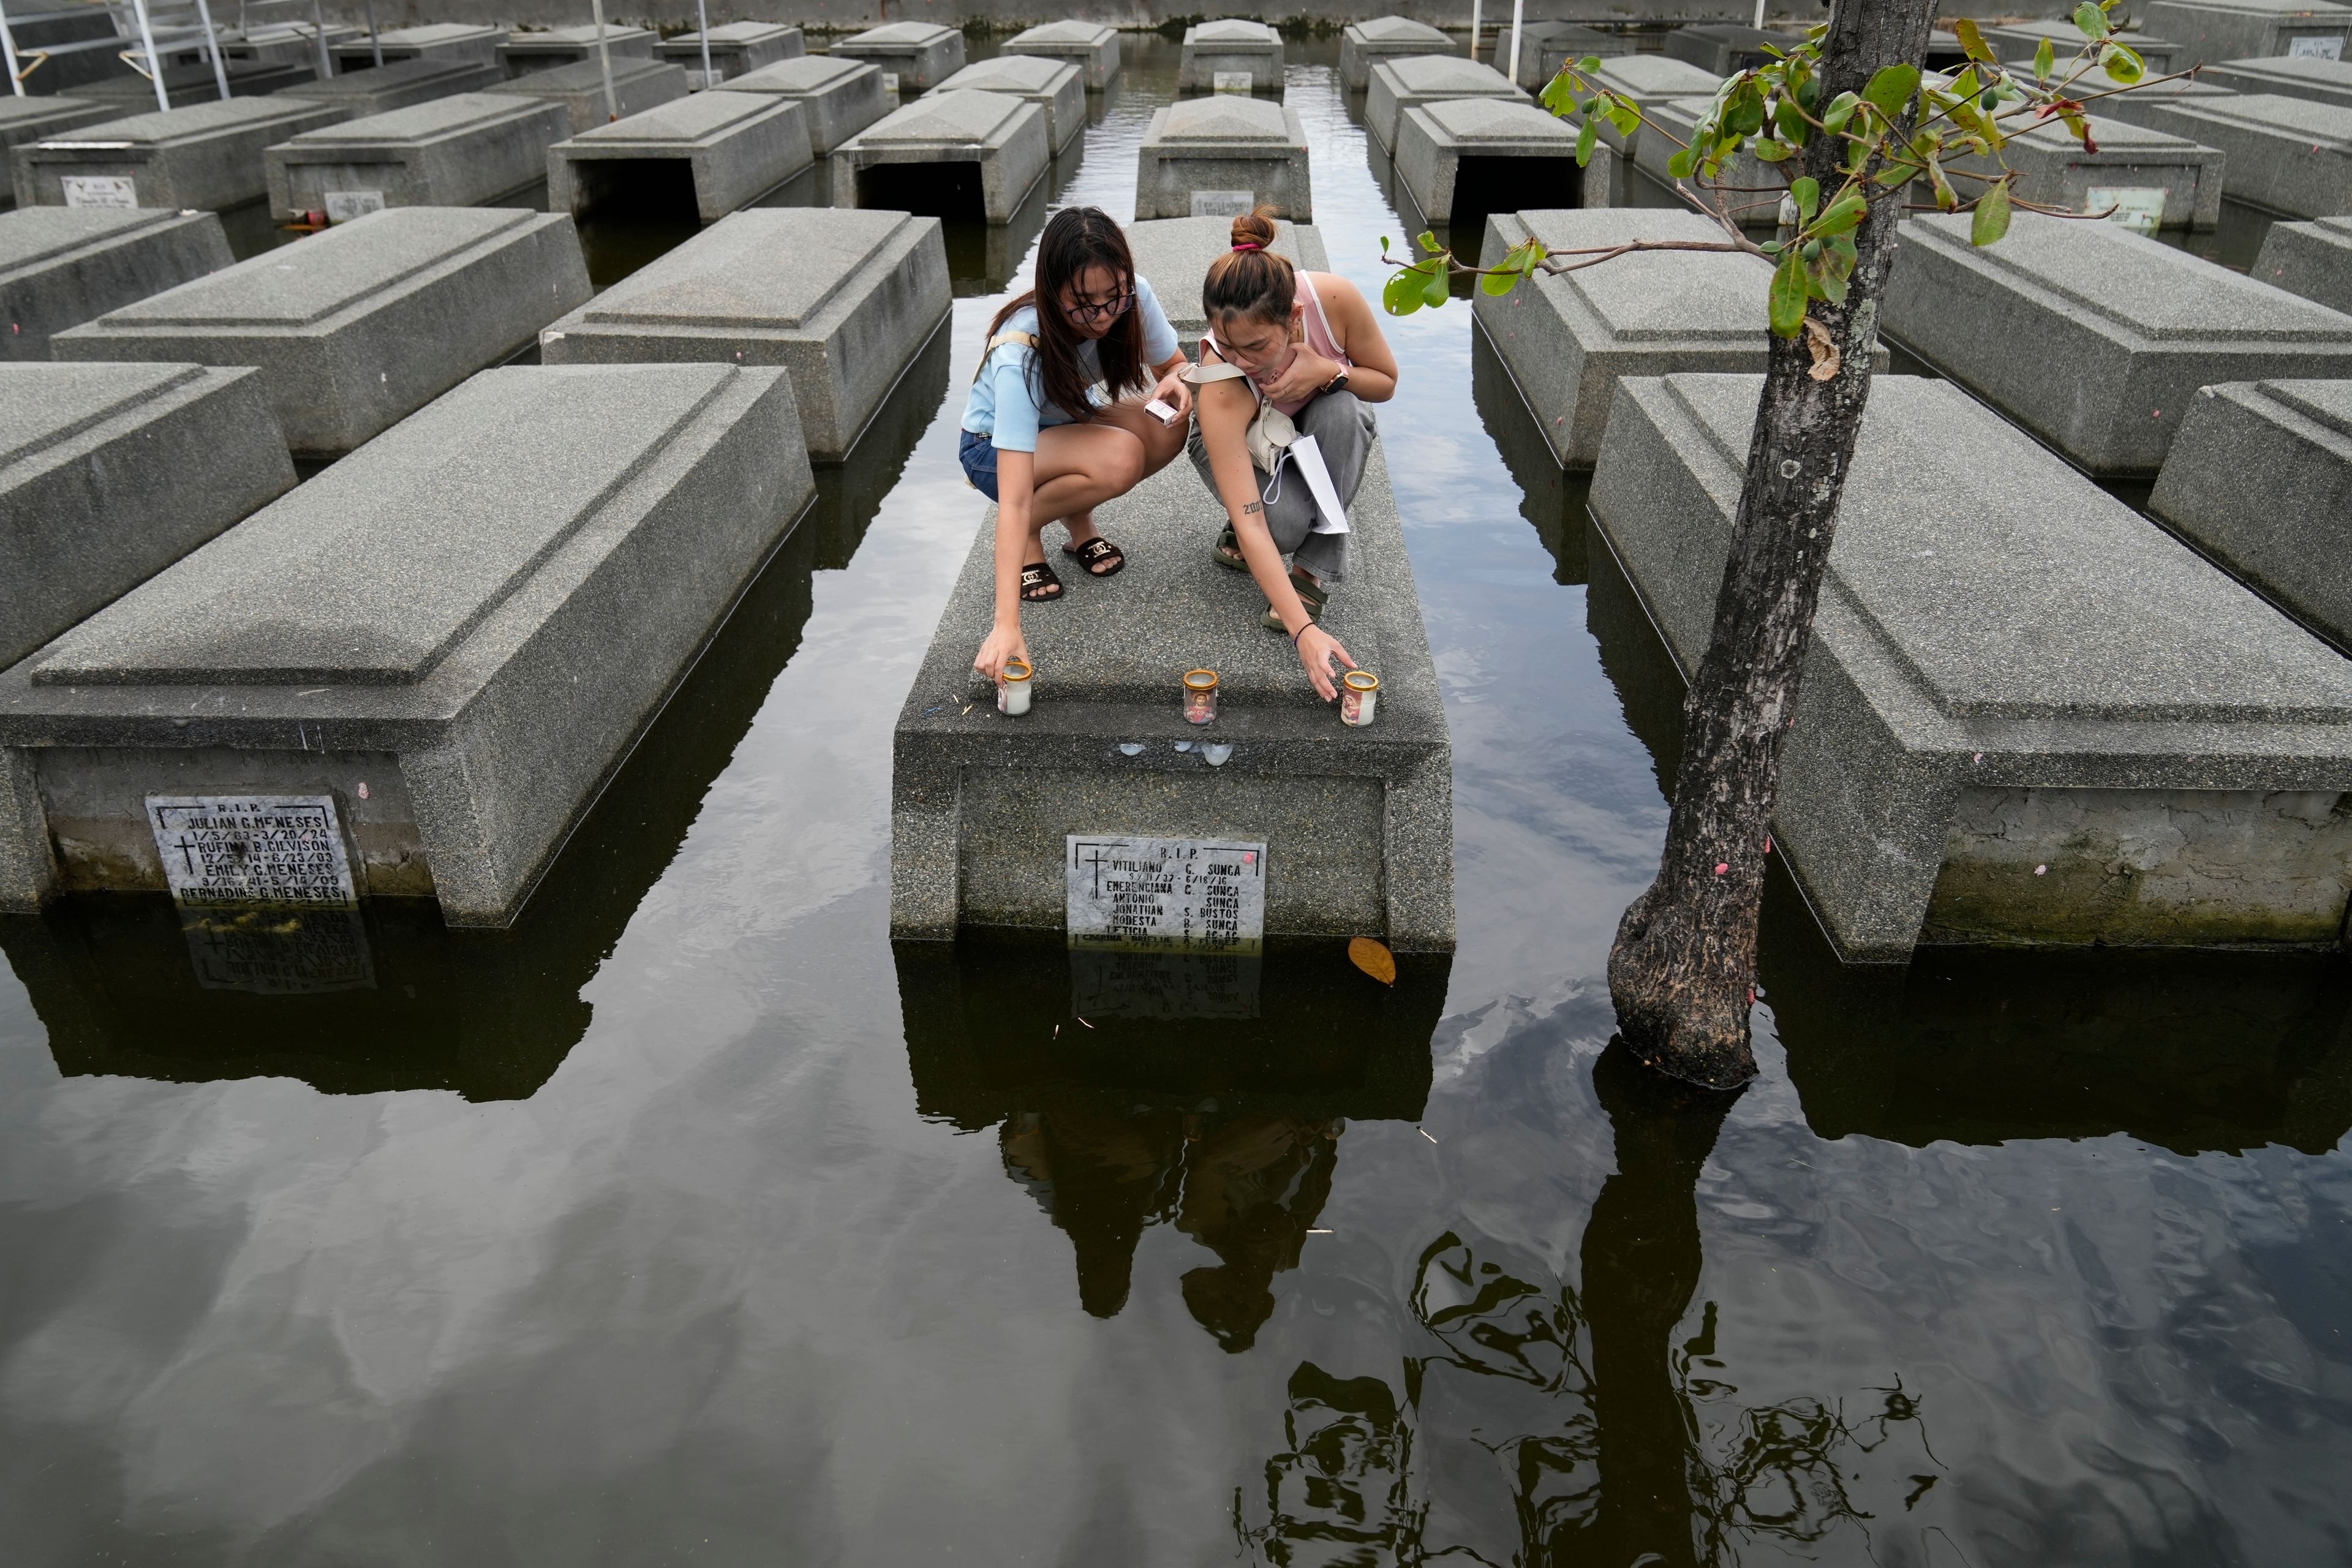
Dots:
(1089, 45)
(1174, 253)
(1469, 155)
(2027, 716)
(422, 664)
(637, 85)
(1357, 824)
(1725, 48)
(209, 156)
(1400, 85)
(109, 473)
(951, 154)
(457, 151)
(1223, 155)
(434, 41)
(434, 293)
(735, 49)
(1363, 45)
(1545, 47)
(2212, 31)
(1679, 116)
(1647, 79)
(2260, 479)
(2092, 337)
(839, 98)
(2315, 77)
(1054, 86)
(2313, 259)
(716, 152)
(60, 266)
(866, 290)
(913, 57)
(399, 84)
(521, 53)
(2153, 178)
(193, 84)
(26, 119)
(1230, 56)
(2016, 43)
(2152, 105)
(286, 43)
(1567, 339)
(2291, 155)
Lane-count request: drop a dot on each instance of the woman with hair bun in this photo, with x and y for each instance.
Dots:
(1054, 424)
(1308, 344)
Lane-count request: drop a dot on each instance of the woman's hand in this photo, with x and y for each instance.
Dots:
(1006, 644)
(1316, 650)
(1175, 391)
(1309, 373)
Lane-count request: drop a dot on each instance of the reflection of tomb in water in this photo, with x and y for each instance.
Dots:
(1224, 1126)
(983, 256)
(1550, 497)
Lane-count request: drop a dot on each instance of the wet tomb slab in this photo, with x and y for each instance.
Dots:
(711, 153)
(1091, 47)
(60, 266)
(1230, 56)
(1723, 48)
(109, 473)
(2291, 155)
(865, 292)
(209, 156)
(400, 84)
(1222, 155)
(1568, 339)
(2027, 716)
(637, 85)
(2153, 178)
(2212, 31)
(356, 328)
(2313, 259)
(1545, 47)
(1174, 254)
(735, 49)
(913, 57)
(1464, 157)
(1355, 823)
(2260, 480)
(2016, 44)
(951, 154)
(1401, 84)
(520, 53)
(1054, 86)
(452, 152)
(2096, 338)
(26, 119)
(438, 733)
(838, 98)
(435, 40)
(1363, 45)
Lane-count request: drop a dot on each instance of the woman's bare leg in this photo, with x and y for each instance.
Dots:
(1079, 467)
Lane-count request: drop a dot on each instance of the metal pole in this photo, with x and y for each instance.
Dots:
(147, 42)
(212, 46)
(702, 22)
(8, 50)
(319, 36)
(1519, 9)
(604, 59)
(1473, 31)
(373, 36)
(1759, 14)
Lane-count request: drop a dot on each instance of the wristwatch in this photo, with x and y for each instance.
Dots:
(1337, 382)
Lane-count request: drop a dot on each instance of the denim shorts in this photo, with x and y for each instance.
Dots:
(977, 454)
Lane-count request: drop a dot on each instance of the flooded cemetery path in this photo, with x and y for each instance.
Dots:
(686, 1220)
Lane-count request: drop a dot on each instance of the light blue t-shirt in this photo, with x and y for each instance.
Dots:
(1004, 404)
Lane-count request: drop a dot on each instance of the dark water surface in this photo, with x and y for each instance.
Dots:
(687, 1221)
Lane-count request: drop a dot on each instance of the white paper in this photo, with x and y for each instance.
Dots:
(1308, 458)
(2139, 208)
(100, 190)
(2311, 48)
(344, 205)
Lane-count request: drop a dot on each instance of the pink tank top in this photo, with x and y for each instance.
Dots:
(1318, 338)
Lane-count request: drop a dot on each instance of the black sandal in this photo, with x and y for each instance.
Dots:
(1228, 553)
(1093, 551)
(1037, 574)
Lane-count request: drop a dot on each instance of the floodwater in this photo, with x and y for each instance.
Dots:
(690, 1221)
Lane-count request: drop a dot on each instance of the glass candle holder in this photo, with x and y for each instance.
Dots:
(1359, 693)
(1012, 692)
(1199, 695)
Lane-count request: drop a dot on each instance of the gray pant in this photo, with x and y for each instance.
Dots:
(1342, 426)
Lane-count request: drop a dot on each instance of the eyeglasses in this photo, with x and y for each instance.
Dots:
(1117, 305)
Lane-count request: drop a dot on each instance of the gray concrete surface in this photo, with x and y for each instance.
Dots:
(734, 148)
(1407, 83)
(399, 84)
(1092, 47)
(2027, 716)
(2260, 479)
(1358, 824)
(1230, 48)
(1725, 48)
(60, 266)
(1058, 87)
(1547, 46)
(1003, 138)
(1438, 142)
(2054, 170)
(2291, 155)
(457, 151)
(2092, 337)
(865, 292)
(209, 156)
(2211, 31)
(26, 119)
(2313, 259)
(435, 40)
(921, 55)
(1174, 253)
(839, 98)
(1213, 148)
(193, 84)
(109, 473)
(1363, 45)
(586, 527)
(637, 85)
(520, 53)
(735, 49)
(2322, 80)
(2017, 41)
(357, 328)
(2151, 104)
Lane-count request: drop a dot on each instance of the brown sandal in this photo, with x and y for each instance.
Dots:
(1038, 584)
(1093, 552)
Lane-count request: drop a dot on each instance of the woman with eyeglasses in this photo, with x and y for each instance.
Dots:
(1055, 424)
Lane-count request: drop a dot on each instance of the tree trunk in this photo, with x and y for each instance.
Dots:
(1682, 972)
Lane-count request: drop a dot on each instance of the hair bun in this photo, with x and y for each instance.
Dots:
(1254, 227)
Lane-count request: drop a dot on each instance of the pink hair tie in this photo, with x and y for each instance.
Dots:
(1249, 245)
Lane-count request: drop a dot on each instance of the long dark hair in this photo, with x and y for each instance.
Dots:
(1076, 239)
(1249, 279)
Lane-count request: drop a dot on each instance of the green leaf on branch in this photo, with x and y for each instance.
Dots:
(2045, 60)
(1559, 95)
(1788, 296)
(1843, 213)
(1972, 40)
(1792, 125)
(1623, 115)
(1946, 199)
(1896, 174)
(1400, 296)
(1680, 165)
(2091, 19)
(1499, 282)
(1891, 87)
(1585, 141)
(2124, 65)
(1429, 242)
(1808, 192)
(1839, 110)
(1858, 153)
(1773, 152)
(1433, 292)
(1384, 245)
(1589, 64)
(1991, 219)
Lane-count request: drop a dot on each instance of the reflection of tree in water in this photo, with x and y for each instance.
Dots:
(1645, 1455)
(1246, 1187)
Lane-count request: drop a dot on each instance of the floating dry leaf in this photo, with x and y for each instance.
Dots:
(1373, 958)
